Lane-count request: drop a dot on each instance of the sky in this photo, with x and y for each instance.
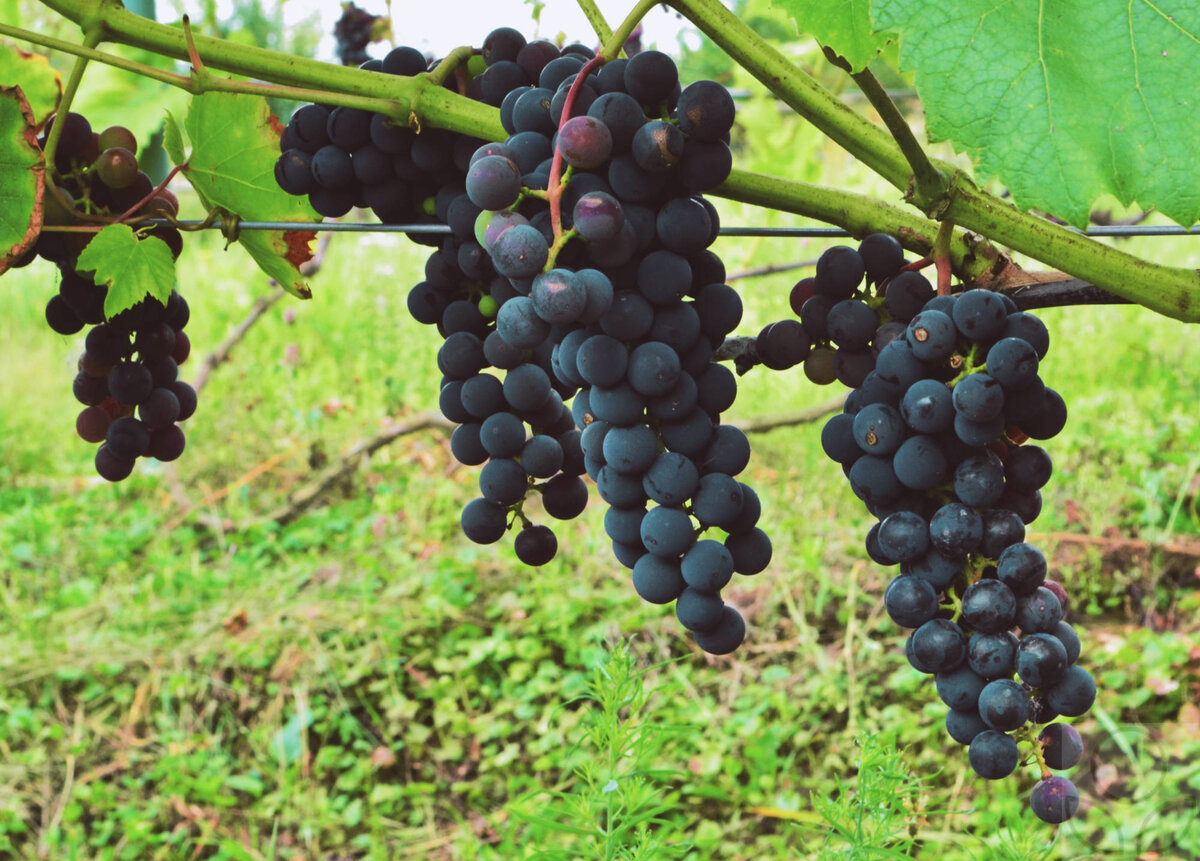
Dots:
(438, 26)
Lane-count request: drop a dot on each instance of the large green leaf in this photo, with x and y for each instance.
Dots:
(22, 177)
(1063, 101)
(38, 80)
(132, 268)
(844, 27)
(235, 144)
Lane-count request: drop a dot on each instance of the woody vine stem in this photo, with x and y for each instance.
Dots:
(945, 193)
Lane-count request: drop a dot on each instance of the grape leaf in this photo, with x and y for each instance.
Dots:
(40, 83)
(1062, 101)
(132, 268)
(235, 144)
(173, 140)
(843, 27)
(22, 177)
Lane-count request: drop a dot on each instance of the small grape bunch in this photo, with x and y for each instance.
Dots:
(127, 377)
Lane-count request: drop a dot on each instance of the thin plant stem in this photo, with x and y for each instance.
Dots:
(206, 83)
(614, 44)
(91, 39)
(930, 184)
(555, 185)
(596, 18)
(450, 63)
(941, 256)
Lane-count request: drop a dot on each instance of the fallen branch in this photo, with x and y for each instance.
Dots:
(1116, 544)
(808, 415)
(770, 270)
(308, 495)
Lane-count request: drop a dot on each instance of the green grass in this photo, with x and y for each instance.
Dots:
(364, 682)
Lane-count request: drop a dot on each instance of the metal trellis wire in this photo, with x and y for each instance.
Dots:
(1124, 230)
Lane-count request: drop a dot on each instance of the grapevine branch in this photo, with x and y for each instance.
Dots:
(1168, 290)
(596, 18)
(204, 82)
(928, 182)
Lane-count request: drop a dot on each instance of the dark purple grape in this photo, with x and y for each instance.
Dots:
(724, 637)
(705, 110)
(61, 317)
(159, 409)
(651, 77)
(1061, 745)
(127, 438)
(585, 142)
(483, 521)
(940, 645)
(598, 216)
(910, 601)
(130, 382)
(993, 755)
(493, 182)
(110, 467)
(1041, 660)
(840, 270)
(187, 398)
(989, 606)
(166, 443)
(932, 336)
(1004, 705)
(882, 255)
(1054, 800)
(657, 147)
(92, 424)
(1023, 567)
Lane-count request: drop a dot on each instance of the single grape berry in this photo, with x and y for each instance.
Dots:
(1054, 800)
(536, 545)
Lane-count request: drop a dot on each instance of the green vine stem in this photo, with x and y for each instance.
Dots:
(451, 62)
(1168, 290)
(204, 82)
(865, 141)
(402, 96)
(856, 213)
(616, 43)
(941, 256)
(596, 18)
(929, 183)
(91, 38)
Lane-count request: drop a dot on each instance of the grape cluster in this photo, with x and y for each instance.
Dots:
(128, 374)
(345, 157)
(586, 282)
(353, 31)
(946, 392)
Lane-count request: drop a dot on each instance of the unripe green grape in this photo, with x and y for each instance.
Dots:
(117, 167)
(488, 306)
(481, 223)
